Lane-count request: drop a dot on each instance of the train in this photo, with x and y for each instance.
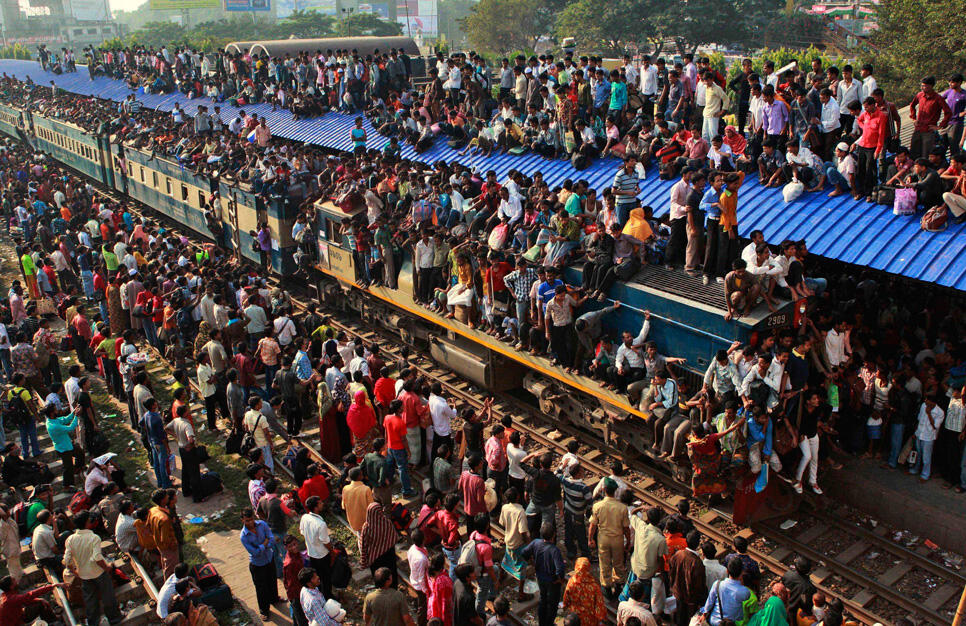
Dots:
(687, 317)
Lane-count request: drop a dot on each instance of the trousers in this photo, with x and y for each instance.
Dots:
(612, 566)
(99, 599)
(266, 587)
(809, 448)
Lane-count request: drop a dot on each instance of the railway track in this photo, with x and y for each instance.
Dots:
(869, 592)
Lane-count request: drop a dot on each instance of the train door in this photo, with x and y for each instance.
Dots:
(233, 222)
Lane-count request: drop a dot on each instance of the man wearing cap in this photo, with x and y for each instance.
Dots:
(610, 531)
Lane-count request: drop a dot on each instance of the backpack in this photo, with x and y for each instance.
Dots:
(206, 575)
(79, 502)
(19, 515)
(400, 516)
(578, 161)
(936, 219)
(43, 354)
(17, 408)
(469, 555)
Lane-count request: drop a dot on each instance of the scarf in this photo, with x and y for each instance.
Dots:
(360, 418)
(378, 535)
(772, 614)
(583, 594)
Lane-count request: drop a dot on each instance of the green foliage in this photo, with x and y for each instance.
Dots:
(500, 26)
(16, 51)
(781, 57)
(916, 38)
(366, 25)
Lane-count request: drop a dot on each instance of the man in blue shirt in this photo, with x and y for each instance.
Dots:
(257, 538)
(760, 435)
(153, 428)
(548, 564)
(726, 597)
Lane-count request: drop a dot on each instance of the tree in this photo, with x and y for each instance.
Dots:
(504, 26)
(916, 38)
(155, 34)
(613, 27)
(306, 25)
(451, 16)
(366, 25)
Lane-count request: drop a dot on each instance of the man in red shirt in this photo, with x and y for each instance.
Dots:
(17, 609)
(384, 390)
(869, 147)
(447, 524)
(472, 487)
(417, 418)
(291, 567)
(396, 433)
(925, 110)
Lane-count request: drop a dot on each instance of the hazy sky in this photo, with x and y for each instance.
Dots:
(125, 5)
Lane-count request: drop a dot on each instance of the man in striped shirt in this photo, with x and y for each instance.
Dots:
(626, 187)
(520, 281)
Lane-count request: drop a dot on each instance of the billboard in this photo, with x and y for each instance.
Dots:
(89, 10)
(284, 8)
(418, 17)
(180, 5)
(248, 5)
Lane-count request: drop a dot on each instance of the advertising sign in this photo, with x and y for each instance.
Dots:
(89, 10)
(179, 5)
(248, 5)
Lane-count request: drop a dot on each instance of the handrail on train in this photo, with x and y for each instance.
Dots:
(668, 320)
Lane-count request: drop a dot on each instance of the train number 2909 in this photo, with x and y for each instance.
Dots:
(776, 320)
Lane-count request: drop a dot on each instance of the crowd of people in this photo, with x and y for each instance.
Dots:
(874, 359)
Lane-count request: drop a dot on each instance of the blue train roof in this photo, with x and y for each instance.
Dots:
(839, 228)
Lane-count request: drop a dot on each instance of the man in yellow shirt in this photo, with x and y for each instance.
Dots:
(611, 525)
(82, 556)
(356, 498)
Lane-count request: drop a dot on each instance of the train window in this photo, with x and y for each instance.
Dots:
(142, 174)
(167, 183)
(130, 169)
(154, 179)
(184, 193)
(201, 199)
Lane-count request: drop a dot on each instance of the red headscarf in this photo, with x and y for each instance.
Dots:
(360, 418)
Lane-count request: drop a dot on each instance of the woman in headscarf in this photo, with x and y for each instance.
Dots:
(773, 613)
(328, 412)
(300, 466)
(361, 419)
(583, 595)
(117, 316)
(705, 453)
(735, 140)
(439, 598)
(377, 541)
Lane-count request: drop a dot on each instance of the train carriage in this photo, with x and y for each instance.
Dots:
(86, 152)
(687, 320)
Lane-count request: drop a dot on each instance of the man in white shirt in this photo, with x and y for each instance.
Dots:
(425, 253)
(629, 364)
(868, 82)
(648, 86)
(837, 346)
(442, 415)
(510, 208)
(419, 573)
(318, 545)
(930, 420)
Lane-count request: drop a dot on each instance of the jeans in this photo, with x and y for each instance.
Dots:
(834, 177)
(453, 557)
(624, 211)
(28, 437)
(150, 331)
(6, 363)
(484, 587)
(278, 554)
(575, 535)
(269, 377)
(538, 515)
(923, 464)
(549, 599)
(267, 459)
(159, 462)
(99, 598)
(400, 458)
(818, 285)
(87, 282)
(896, 437)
